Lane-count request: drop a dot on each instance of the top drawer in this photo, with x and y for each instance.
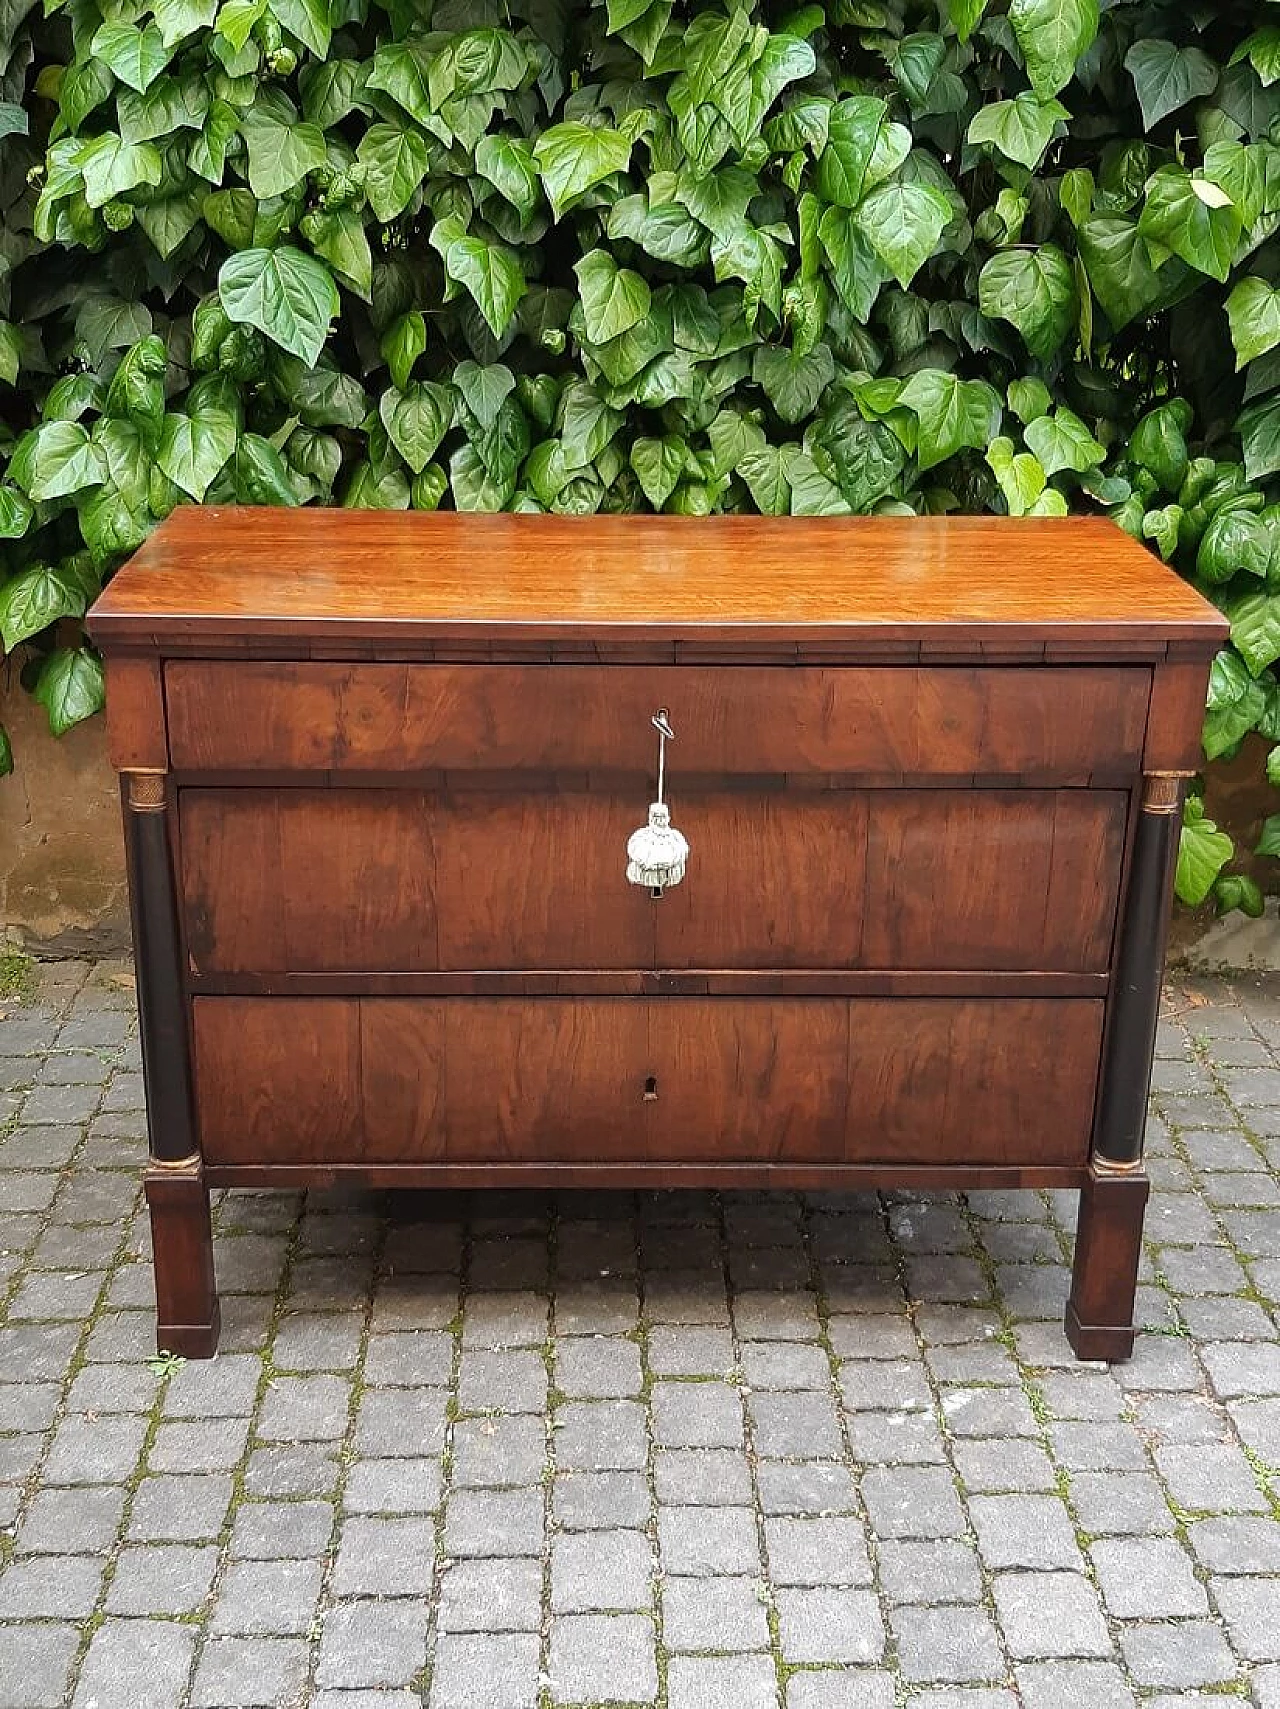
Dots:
(1069, 722)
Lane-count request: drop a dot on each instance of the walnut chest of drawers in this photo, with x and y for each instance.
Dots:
(379, 773)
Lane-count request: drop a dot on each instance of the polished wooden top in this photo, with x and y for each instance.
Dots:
(329, 574)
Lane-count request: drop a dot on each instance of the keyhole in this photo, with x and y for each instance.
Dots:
(655, 890)
(650, 1090)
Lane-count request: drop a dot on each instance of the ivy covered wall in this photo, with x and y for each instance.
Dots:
(890, 255)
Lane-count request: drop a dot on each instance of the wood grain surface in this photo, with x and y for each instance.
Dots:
(212, 571)
(902, 723)
(361, 1081)
(373, 881)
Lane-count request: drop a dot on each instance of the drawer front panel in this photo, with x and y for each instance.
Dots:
(403, 881)
(626, 1080)
(943, 721)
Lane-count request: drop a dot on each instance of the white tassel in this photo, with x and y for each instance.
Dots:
(657, 853)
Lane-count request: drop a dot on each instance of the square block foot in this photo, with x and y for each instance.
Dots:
(1112, 1342)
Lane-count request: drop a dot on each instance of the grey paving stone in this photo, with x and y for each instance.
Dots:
(58, 1517)
(784, 1365)
(281, 1472)
(603, 1658)
(169, 1578)
(494, 1452)
(400, 1423)
(281, 1530)
(703, 1477)
(844, 1688)
(385, 1557)
(1071, 1685)
(600, 1501)
(95, 1450)
(29, 1407)
(1210, 1479)
(1237, 1545)
(35, 1664)
(491, 1523)
(393, 1486)
(830, 1626)
(252, 1673)
(370, 1643)
(598, 1367)
(722, 1614)
(1243, 1368)
(46, 1587)
(601, 1436)
(1181, 1654)
(715, 1682)
(994, 1465)
(214, 1446)
(412, 1359)
(708, 1541)
(305, 1409)
(491, 1596)
(517, 1319)
(1146, 1578)
(697, 1415)
(1024, 1531)
(601, 1571)
(1120, 1504)
(913, 1502)
(896, 1439)
(945, 1570)
(510, 1380)
(955, 1645)
(144, 1663)
(816, 1487)
(1251, 1609)
(688, 1351)
(268, 1598)
(817, 1551)
(179, 1509)
(479, 1671)
(1049, 1614)
(796, 1426)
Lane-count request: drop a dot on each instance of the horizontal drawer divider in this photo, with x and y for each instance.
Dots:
(641, 982)
(795, 1177)
(562, 782)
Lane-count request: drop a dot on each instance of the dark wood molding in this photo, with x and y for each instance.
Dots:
(1104, 1277)
(162, 999)
(1135, 991)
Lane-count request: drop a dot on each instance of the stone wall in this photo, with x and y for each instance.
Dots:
(62, 887)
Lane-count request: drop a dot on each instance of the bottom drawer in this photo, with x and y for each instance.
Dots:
(617, 1080)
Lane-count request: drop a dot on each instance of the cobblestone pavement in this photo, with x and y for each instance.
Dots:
(705, 1452)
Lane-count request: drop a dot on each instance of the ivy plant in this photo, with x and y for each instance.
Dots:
(896, 256)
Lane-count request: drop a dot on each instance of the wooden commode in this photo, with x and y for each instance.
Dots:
(379, 775)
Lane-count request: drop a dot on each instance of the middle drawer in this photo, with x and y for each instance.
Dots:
(405, 881)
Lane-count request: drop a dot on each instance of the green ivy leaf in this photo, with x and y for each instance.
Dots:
(1020, 475)
(1062, 441)
(56, 460)
(402, 344)
(1167, 76)
(6, 753)
(1203, 851)
(1193, 217)
(1052, 35)
(416, 418)
(951, 413)
(112, 167)
(137, 57)
(1235, 542)
(280, 155)
(194, 449)
(1253, 309)
(613, 298)
(16, 513)
(508, 163)
(902, 223)
(659, 464)
(1255, 629)
(965, 15)
(1035, 290)
(395, 160)
(573, 157)
(765, 473)
(287, 295)
(853, 126)
(1259, 427)
(306, 19)
(1021, 128)
(1118, 265)
(35, 599)
(490, 273)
